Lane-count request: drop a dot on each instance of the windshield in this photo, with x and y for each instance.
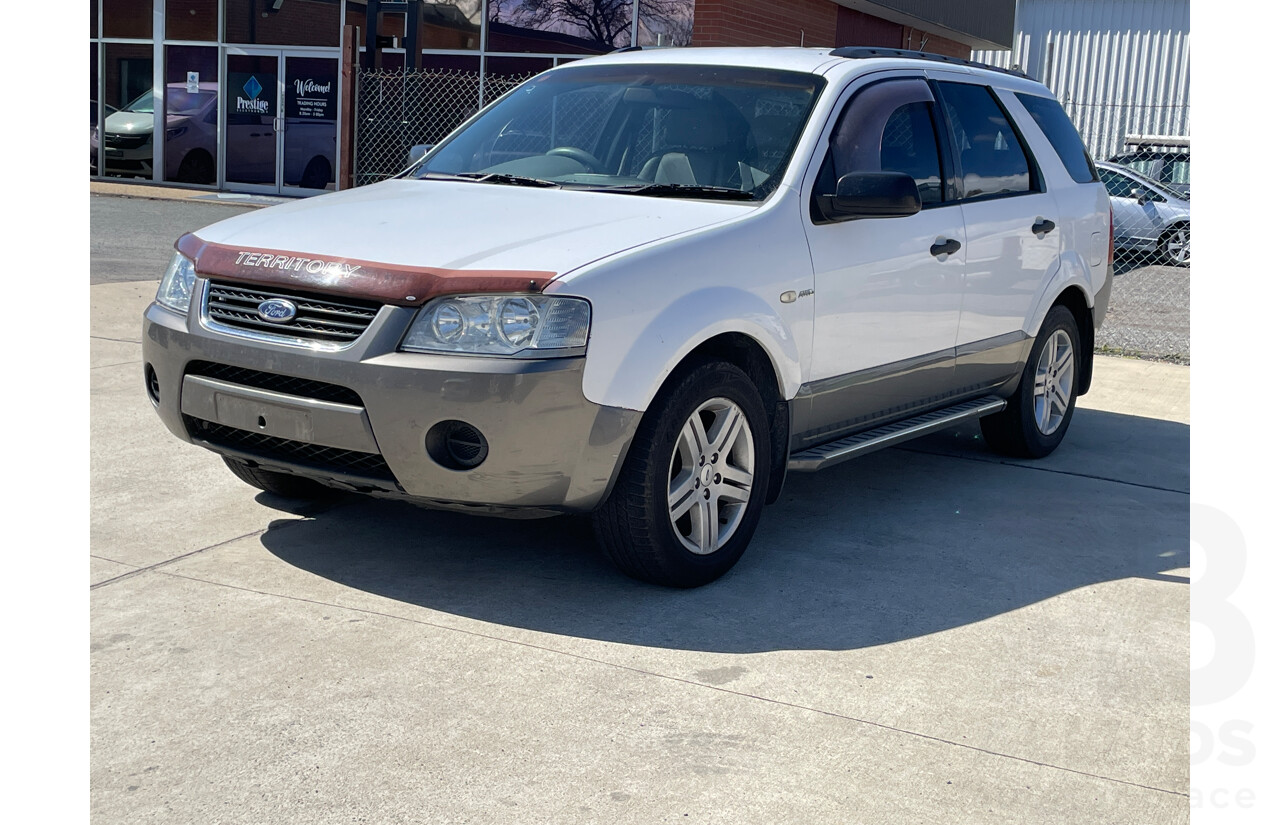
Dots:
(662, 129)
(182, 102)
(144, 103)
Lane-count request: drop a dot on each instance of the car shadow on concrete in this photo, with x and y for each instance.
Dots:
(898, 544)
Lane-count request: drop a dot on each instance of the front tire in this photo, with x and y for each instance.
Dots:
(691, 490)
(1040, 410)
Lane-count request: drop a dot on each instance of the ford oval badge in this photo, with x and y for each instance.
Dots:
(277, 310)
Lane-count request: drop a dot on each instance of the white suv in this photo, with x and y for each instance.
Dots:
(646, 286)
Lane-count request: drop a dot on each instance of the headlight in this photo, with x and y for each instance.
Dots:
(533, 325)
(176, 285)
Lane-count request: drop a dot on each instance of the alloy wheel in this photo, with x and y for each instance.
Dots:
(1055, 375)
(710, 476)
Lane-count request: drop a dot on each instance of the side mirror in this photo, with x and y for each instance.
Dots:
(871, 195)
(418, 151)
(1139, 195)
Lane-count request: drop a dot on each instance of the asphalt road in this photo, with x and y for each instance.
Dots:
(131, 239)
(931, 634)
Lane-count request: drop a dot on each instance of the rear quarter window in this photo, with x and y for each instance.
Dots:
(1062, 135)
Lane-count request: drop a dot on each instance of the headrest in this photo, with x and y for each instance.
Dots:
(773, 132)
(702, 128)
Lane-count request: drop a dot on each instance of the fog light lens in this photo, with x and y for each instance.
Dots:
(457, 445)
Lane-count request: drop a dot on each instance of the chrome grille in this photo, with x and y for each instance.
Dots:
(320, 317)
(119, 141)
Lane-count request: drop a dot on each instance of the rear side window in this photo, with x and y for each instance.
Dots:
(1062, 134)
(993, 160)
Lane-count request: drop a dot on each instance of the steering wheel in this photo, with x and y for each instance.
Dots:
(580, 155)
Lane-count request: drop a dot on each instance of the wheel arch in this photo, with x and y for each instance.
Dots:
(751, 356)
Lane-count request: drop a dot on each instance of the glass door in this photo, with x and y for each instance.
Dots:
(251, 107)
(310, 134)
(281, 121)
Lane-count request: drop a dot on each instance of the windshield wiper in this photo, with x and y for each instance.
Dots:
(684, 190)
(509, 180)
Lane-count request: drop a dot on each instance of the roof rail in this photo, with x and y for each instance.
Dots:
(863, 52)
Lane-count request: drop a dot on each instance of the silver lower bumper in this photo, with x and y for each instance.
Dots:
(550, 450)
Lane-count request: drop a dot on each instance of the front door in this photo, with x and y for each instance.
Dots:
(280, 121)
(887, 290)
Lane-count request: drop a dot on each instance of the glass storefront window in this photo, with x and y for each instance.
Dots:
(191, 114)
(560, 26)
(451, 25)
(191, 19)
(93, 20)
(126, 131)
(127, 18)
(283, 22)
(95, 111)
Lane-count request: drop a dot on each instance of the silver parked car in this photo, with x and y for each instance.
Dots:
(1150, 219)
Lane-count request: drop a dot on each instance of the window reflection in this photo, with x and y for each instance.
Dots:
(191, 114)
(450, 26)
(283, 22)
(191, 19)
(126, 18)
(126, 129)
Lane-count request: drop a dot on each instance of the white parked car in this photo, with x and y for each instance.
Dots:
(1150, 218)
(647, 286)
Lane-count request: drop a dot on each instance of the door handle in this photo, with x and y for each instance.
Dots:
(1043, 226)
(949, 247)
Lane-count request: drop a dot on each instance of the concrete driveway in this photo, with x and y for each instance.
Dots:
(929, 634)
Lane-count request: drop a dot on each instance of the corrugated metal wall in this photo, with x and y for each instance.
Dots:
(1120, 67)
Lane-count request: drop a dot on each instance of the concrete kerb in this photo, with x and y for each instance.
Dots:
(163, 192)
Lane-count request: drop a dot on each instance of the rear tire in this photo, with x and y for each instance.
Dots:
(689, 496)
(280, 484)
(1175, 246)
(1040, 410)
(317, 174)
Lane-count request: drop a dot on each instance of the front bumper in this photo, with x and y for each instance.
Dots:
(550, 450)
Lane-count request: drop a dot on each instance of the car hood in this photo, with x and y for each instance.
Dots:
(457, 227)
(130, 123)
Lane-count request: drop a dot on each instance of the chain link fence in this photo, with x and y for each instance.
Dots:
(398, 109)
(1149, 185)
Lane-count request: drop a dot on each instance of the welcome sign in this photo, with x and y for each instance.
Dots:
(311, 89)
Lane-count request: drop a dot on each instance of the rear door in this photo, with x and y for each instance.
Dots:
(1010, 219)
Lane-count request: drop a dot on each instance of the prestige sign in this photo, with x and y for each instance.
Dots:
(250, 95)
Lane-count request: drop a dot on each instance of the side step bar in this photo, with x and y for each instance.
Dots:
(843, 449)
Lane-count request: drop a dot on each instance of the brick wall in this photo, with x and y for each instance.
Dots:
(764, 22)
(824, 23)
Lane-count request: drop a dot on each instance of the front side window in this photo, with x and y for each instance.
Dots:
(887, 127)
(638, 129)
(993, 160)
(1119, 186)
